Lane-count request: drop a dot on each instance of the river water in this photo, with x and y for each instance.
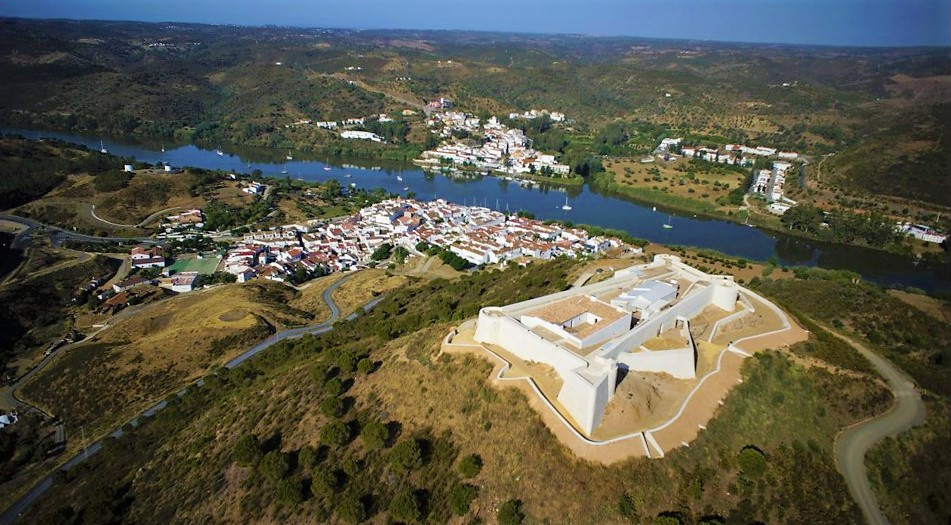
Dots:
(588, 206)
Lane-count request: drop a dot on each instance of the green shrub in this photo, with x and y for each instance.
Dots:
(510, 513)
(274, 465)
(365, 366)
(332, 407)
(752, 461)
(461, 497)
(247, 451)
(351, 508)
(289, 492)
(374, 435)
(626, 507)
(406, 456)
(335, 434)
(333, 387)
(405, 507)
(324, 482)
(470, 466)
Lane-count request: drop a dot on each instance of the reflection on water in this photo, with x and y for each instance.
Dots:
(545, 201)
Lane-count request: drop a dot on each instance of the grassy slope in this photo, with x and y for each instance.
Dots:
(788, 411)
(154, 351)
(37, 310)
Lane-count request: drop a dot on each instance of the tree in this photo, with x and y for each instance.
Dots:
(374, 435)
(289, 492)
(383, 252)
(470, 466)
(324, 482)
(306, 457)
(351, 508)
(626, 507)
(334, 387)
(331, 190)
(752, 461)
(405, 507)
(365, 366)
(346, 362)
(336, 434)
(333, 407)
(274, 465)
(510, 513)
(406, 455)
(247, 451)
(461, 497)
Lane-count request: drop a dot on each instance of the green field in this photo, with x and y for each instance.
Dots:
(203, 266)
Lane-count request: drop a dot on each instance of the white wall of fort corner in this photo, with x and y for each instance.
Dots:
(496, 328)
(678, 363)
(689, 308)
(585, 401)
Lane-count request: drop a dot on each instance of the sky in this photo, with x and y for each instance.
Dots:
(820, 22)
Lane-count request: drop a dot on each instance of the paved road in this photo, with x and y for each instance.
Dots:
(59, 234)
(852, 443)
(24, 502)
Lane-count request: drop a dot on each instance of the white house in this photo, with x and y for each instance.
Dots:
(361, 135)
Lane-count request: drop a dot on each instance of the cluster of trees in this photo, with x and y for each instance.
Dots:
(220, 216)
(842, 226)
(31, 169)
(916, 342)
(445, 255)
(394, 131)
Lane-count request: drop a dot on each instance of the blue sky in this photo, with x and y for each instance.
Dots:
(830, 22)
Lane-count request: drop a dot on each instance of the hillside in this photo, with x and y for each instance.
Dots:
(250, 86)
(306, 433)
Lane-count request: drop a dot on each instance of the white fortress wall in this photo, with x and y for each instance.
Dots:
(495, 327)
(585, 398)
(687, 307)
(678, 362)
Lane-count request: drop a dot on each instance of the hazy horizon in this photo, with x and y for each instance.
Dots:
(878, 23)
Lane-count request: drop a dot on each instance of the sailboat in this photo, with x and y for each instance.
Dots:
(102, 147)
(406, 188)
(668, 225)
(219, 152)
(163, 148)
(566, 207)
(399, 178)
(326, 168)
(347, 176)
(289, 155)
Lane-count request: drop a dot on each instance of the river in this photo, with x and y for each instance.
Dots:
(588, 206)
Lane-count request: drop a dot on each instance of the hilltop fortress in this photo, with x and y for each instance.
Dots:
(663, 323)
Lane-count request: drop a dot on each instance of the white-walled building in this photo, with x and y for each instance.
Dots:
(586, 340)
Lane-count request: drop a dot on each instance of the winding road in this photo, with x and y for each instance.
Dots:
(59, 234)
(18, 507)
(854, 442)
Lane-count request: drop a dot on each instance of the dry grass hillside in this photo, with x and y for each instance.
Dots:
(142, 195)
(145, 355)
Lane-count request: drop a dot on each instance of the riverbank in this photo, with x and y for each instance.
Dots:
(604, 182)
(590, 205)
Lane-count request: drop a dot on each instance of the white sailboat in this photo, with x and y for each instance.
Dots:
(327, 168)
(102, 147)
(289, 155)
(566, 207)
(219, 152)
(668, 225)
(399, 178)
